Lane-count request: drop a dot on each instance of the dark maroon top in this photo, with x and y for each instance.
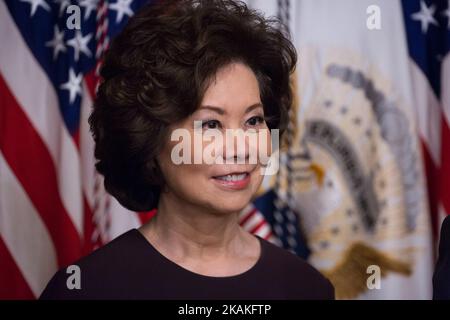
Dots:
(129, 267)
(441, 277)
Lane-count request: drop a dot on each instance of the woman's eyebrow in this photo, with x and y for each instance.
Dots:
(222, 111)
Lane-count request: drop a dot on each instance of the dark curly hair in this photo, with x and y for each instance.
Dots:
(156, 73)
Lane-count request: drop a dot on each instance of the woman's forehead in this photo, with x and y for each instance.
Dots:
(233, 87)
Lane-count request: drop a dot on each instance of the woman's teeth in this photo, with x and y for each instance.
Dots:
(233, 177)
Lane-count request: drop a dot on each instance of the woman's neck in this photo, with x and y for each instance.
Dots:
(184, 230)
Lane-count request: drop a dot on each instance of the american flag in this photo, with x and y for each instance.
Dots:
(53, 206)
(427, 26)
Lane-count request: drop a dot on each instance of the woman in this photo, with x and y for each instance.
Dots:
(177, 65)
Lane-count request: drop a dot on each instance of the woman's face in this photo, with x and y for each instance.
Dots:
(232, 101)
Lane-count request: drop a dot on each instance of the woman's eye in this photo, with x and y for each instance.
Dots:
(211, 124)
(254, 121)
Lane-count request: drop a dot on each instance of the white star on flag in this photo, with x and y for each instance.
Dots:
(35, 4)
(88, 5)
(79, 44)
(122, 7)
(73, 85)
(63, 4)
(447, 13)
(57, 43)
(425, 16)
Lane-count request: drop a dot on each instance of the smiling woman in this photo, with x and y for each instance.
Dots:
(178, 63)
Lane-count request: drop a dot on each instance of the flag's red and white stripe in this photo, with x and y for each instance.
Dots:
(434, 131)
(254, 222)
(430, 137)
(445, 157)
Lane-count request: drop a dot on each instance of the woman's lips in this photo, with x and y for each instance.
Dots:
(233, 185)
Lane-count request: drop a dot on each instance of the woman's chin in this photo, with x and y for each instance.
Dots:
(231, 201)
(230, 206)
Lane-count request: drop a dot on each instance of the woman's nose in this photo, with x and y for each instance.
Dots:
(236, 147)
